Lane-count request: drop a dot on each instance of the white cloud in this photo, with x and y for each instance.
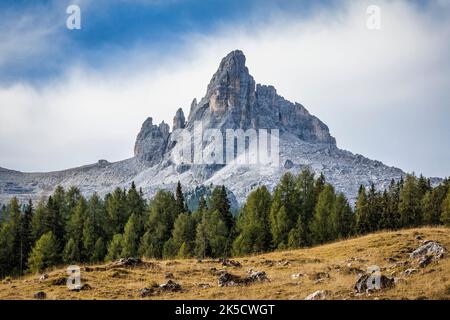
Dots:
(383, 93)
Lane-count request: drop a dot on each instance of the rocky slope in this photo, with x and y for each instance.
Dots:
(232, 101)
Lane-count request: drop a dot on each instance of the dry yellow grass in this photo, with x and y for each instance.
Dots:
(336, 259)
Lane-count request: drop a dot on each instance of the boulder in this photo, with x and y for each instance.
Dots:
(41, 295)
(43, 277)
(367, 282)
(230, 263)
(288, 164)
(229, 280)
(170, 286)
(318, 295)
(61, 281)
(410, 271)
(428, 248)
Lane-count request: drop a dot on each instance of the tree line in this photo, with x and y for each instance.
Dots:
(67, 228)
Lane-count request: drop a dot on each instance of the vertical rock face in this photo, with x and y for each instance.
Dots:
(179, 121)
(233, 101)
(151, 142)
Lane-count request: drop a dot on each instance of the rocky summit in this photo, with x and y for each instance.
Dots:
(233, 100)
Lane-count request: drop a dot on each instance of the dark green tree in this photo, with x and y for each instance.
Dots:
(253, 224)
(321, 225)
(163, 212)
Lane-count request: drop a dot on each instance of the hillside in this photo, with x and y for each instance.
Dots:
(293, 274)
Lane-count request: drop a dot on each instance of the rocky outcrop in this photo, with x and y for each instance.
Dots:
(233, 100)
(179, 122)
(370, 282)
(151, 142)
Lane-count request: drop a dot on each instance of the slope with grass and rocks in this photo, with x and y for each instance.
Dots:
(413, 264)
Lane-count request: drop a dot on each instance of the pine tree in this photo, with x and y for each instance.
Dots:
(88, 239)
(219, 202)
(410, 208)
(342, 218)
(445, 215)
(163, 213)
(373, 209)
(212, 236)
(44, 253)
(117, 213)
(99, 252)
(54, 222)
(135, 202)
(71, 252)
(253, 224)
(361, 212)
(305, 198)
(284, 210)
(432, 205)
(39, 227)
(10, 240)
(26, 237)
(115, 248)
(75, 227)
(131, 236)
(179, 197)
(184, 234)
(321, 226)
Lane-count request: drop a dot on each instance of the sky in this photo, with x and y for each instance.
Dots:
(72, 97)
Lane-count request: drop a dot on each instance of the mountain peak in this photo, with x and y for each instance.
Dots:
(233, 62)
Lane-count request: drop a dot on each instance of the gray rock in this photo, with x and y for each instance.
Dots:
(288, 164)
(410, 271)
(318, 295)
(179, 122)
(41, 295)
(170, 286)
(151, 142)
(432, 248)
(367, 283)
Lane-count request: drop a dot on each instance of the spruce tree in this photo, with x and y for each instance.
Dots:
(163, 212)
(71, 253)
(219, 202)
(76, 225)
(432, 205)
(305, 199)
(26, 236)
(212, 236)
(284, 210)
(117, 213)
(253, 224)
(131, 236)
(361, 212)
(179, 198)
(184, 234)
(321, 225)
(135, 202)
(445, 215)
(115, 248)
(38, 221)
(44, 253)
(98, 255)
(410, 208)
(342, 218)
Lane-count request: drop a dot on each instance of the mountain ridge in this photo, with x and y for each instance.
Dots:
(233, 100)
